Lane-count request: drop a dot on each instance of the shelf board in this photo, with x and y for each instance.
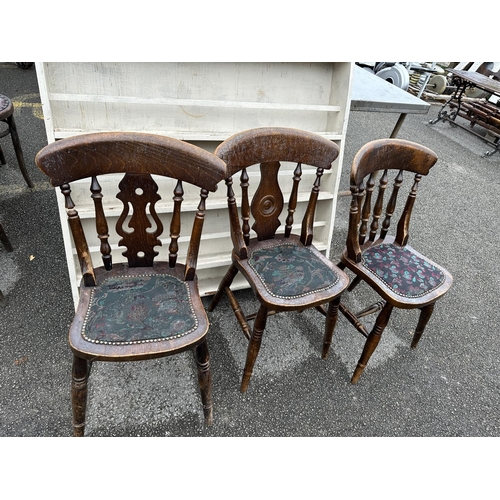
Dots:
(183, 135)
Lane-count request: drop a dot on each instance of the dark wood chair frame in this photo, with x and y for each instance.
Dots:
(137, 156)
(385, 155)
(268, 147)
(8, 246)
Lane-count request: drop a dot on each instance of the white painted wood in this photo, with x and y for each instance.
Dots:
(207, 103)
(183, 136)
(44, 97)
(202, 103)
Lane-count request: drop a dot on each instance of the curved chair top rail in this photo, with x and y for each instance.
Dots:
(397, 154)
(269, 144)
(95, 154)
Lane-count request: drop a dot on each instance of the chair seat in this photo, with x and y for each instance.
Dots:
(154, 310)
(6, 108)
(401, 275)
(292, 273)
(136, 309)
(403, 271)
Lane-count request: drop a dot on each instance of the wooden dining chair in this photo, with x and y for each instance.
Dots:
(142, 308)
(402, 277)
(285, 270)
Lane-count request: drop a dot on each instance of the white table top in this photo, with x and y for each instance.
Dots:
(372, 93)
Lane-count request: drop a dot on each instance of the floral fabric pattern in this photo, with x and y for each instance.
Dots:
(139, 309)
(290, 271)
(402, 271)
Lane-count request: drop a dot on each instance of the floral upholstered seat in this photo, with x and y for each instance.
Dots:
(138, 309)
(290, 271)
(402, 271)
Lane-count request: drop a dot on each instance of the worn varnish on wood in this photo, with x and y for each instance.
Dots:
(285, 270)
(402, 276)
(140, 307)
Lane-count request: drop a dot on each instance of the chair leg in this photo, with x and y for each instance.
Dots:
(80, 377)
(202, 358)
(226, 282)
(354, 283)
(2, 158)
(372, 341)
(254, 346)
(331, 320)
(6, 243)
(5, 240)
(19, 152)
(425, 315)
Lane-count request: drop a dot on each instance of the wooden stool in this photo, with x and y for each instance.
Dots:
(7, 116)
(8, 247)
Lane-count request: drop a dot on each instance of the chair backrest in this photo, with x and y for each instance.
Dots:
(268, 147)
(138, 156)
(366, 220)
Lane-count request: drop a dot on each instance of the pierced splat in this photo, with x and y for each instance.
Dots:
(139, 191)
(101, 223)
(267, 202)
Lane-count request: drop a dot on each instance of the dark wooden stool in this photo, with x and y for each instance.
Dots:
(8, 247)
(7, 116)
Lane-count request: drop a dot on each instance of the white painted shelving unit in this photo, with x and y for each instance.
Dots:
(202, 103)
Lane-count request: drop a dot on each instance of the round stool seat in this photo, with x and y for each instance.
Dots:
(6, 107)
(7, 116)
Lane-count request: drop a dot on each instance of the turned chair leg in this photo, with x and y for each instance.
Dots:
(6, 243)
(5, 240)
(254, 346)
(19, 152)
(225, 283)
(372, 341)
(354, 283)
(425, 316)
(331, 320)
(202, 358)
(80, 375)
